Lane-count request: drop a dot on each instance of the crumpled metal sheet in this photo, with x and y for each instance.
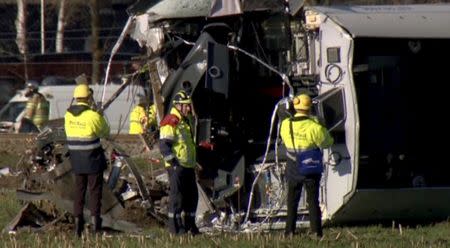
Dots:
(178, 9)
(169, 9)
(145, 35)
(58, 178)
(63, 199)
(6, 171)
(29, 213)
(225, 8)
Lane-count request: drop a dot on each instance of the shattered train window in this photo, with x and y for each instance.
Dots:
(331, 108)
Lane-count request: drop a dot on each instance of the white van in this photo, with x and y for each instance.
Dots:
(60, 98)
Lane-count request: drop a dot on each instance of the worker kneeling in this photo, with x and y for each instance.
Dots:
(84, 128)
(178, 149)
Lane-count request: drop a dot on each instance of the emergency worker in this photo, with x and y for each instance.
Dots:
(178, 149)
(152, 119)
(37, 107)
(303, 134)
(84, 128)
(82, 79)
(138, 117)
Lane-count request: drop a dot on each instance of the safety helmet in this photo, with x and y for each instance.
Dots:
(302, 102)
(81, 91)
(32, 85)
(182, 98)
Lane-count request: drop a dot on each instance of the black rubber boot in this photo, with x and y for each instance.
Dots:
(96, 224)
(79, 226)
(190, 225)
(176, 226)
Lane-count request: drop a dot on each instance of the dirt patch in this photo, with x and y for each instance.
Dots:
(11, 182)
(136, 214)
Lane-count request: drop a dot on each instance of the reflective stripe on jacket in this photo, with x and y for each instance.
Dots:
(176, 141)
(37, 110)
(307, 134)
(84, 128)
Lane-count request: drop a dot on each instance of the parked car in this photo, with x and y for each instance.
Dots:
(57, 80)
(60, 98)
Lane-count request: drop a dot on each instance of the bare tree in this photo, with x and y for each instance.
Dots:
(95, 32)
(67, 11)
(21, 28)
(42, 26)
(60, 27)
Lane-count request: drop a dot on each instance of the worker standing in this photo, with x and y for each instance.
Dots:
(139, 117)
(178, 149)
(84, 128)
(82, 79)
(37, 107)
(152, 118)
(303, 137)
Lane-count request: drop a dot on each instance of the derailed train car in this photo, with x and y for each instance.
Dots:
(372, 69)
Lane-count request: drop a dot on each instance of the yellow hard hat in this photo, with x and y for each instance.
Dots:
(182, 98)
(302, 102)
(81, 91)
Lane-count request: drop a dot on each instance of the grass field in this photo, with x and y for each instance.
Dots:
(430, 235)
(371, 235)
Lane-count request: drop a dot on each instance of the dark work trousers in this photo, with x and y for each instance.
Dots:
(95, 184)
(295, 185)
(183, 196)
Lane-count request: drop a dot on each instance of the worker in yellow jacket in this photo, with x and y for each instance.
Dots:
(140, 119)
(152, 118)
(303, 137)
(37, 108)
(84, 128)
(178, 150)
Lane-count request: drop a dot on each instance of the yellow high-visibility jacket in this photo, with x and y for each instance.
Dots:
(37, 110)
(306, 132)
(152, 120)
(176, 141)
(138, 120)
(84, 128)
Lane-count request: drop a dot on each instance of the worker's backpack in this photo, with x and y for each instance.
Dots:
(309, 162)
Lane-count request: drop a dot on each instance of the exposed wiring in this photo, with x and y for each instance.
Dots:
(274, 207)
(283, 76)
(279, 205)
(258, 41)
(277, 139)
(114, 51)
(263, 167)
(185, 41)
(331, 69)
